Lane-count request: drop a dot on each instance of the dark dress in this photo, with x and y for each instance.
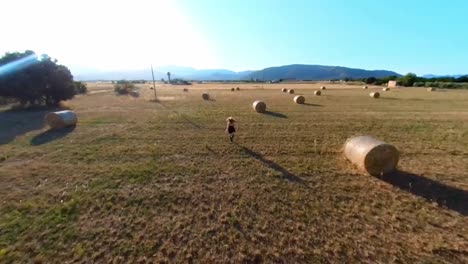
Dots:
(231, 129)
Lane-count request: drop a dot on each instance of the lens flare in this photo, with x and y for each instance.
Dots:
(17, 65)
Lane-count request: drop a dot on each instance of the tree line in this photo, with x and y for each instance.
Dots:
(412, 79)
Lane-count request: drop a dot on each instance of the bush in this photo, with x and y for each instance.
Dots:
(453, 85)
(370, 80)
(123, 87)
(35, 81)
(379, 82)
(418, 84)
(180, 82)
(139, 81)
(80, 88)
(447, 85)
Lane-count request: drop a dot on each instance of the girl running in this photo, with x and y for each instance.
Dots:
(230, 128)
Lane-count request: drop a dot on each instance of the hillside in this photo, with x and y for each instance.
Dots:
(317, 72)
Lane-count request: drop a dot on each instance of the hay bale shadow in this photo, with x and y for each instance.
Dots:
(312, 104)
(389, 98)
(272, 165)
(134, 94)
(433, 191)
(14, 123)
(274, 114)
(51, 135)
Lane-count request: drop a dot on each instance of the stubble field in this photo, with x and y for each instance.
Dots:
(142, 181)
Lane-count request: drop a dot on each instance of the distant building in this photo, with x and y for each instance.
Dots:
(276, 81)
(391, 84)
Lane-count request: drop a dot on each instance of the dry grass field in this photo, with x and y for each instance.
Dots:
(141, 182)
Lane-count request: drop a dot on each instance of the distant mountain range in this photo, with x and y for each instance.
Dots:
(185, 73)
(428, 76)
(317, 72)
(295, 71)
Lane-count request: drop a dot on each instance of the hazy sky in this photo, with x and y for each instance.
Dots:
(401, 35)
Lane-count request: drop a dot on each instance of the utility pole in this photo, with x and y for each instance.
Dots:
(154, 85)
(263, 77)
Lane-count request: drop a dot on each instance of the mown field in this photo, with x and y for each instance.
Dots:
(141, 182)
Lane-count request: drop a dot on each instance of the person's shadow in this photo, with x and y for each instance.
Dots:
(272, 165)
(182, 116)
(51, 135)
(433, 191)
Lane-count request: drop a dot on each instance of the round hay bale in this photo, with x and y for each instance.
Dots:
(299, 99)
(205, 96)
(371, 155)
(185, 90)
(431, 89)
(61, 119)
(374, 95)
(232, 89)
(323, 88)
(291, 91)
(237, 88)
(259, 106)
(365, 87)
(386, 89)
(284, 90)
(318, 93)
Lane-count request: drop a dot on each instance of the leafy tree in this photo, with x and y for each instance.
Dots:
(463, 79)
(80, 87)
(29, 79)
(370, 80)
(409, 79)
(445, 79)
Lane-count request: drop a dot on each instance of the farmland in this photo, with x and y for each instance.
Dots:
(144, 181)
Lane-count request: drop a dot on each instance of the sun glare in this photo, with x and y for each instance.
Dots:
(107, 35)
